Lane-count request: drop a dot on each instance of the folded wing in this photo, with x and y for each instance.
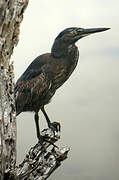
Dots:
(29, 91)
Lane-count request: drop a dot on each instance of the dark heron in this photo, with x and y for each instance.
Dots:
(38, 84)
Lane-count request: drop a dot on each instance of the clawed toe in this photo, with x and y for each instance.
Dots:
(55, 127)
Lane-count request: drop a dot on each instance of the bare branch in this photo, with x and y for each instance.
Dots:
(42, 160)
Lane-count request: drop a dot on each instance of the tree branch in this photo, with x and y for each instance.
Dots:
(42, 160)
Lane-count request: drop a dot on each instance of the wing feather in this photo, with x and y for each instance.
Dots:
(28, 92)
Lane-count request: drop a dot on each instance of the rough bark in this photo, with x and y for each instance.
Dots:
(11, 15)
(40, 161)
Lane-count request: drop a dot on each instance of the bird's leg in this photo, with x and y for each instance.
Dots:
(37, 125)
(55, 126)
(39, 136)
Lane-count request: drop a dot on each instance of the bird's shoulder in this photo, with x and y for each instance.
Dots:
(35, 68)
(34, 75)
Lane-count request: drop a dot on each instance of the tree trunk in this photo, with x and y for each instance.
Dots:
(39, 162)
(11, 14)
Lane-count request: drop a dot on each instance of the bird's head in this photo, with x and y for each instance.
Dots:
(70, 36)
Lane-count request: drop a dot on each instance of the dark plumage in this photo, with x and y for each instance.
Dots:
(48, 72)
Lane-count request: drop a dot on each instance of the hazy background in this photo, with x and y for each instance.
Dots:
(87, 104)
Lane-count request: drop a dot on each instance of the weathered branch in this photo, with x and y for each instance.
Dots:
(42, 160)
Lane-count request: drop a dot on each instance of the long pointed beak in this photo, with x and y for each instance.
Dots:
(94, 30)
(85, 32)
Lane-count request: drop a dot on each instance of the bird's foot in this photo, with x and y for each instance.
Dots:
(55, 127)
(45, 139)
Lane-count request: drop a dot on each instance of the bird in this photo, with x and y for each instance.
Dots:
(48, 72)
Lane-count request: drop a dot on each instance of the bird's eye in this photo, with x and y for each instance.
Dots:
(75, 32)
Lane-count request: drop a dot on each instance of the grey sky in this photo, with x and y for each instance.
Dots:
(87, 104)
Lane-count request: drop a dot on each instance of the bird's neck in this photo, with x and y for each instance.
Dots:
(60, 49)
